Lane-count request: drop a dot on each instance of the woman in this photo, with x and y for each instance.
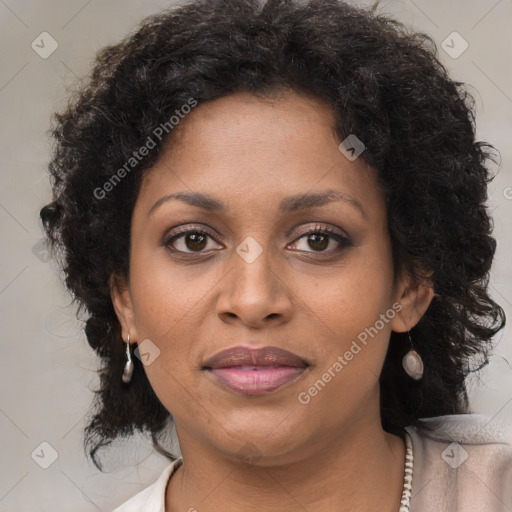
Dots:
(275, 218)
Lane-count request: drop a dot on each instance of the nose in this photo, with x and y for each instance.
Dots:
(254, 294)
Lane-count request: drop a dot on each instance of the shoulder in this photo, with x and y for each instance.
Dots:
(152, 498)
(461, 462)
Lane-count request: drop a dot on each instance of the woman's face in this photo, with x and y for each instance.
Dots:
(268, 172)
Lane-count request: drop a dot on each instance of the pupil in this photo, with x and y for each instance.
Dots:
(314, 239)
(196, 239)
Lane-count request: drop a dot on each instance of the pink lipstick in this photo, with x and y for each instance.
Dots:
(253, 371)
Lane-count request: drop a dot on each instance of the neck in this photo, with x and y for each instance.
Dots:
(353, 471)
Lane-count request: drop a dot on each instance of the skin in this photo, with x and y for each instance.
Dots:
(311, 298)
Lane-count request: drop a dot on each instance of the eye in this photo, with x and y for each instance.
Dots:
(320, 239)
(189, 240)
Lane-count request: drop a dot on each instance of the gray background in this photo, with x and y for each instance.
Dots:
(47, 370)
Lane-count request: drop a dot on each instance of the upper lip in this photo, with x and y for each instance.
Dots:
(246, 356)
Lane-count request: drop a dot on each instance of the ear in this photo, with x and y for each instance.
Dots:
(123, 306)
(415, 298)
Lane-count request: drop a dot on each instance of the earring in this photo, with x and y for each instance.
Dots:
(128, 367)
(412, 362)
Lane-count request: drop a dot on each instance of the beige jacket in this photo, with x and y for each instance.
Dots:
(465, 465)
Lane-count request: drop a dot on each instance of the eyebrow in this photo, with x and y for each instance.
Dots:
(312, 200)
(288, 204)
(194, 199)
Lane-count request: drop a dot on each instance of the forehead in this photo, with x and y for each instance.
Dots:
(245, 147)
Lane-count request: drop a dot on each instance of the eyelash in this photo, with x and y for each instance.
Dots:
(342, 240)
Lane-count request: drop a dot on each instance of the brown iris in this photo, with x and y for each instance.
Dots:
(195, 241)
(313, 239)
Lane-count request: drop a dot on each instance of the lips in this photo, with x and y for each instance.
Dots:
(245, 356)
(252, 371)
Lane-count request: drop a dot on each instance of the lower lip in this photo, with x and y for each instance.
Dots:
(256, 380)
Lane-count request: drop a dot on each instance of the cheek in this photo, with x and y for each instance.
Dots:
(165, 303)
(352, 312)
(165, 306)
(350, 298)
(164, 294)
(352, 334)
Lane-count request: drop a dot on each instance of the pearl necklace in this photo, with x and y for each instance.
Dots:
(406, 492)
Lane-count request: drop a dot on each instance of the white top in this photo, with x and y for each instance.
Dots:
(464, 465)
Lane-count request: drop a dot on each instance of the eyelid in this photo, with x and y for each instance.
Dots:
(342, 240)
(176, 231)
(324, 228)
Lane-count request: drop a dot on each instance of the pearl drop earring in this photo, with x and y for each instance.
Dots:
(412, 363)
(128, 367)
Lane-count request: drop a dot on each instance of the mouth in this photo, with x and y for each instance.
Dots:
(252, 371)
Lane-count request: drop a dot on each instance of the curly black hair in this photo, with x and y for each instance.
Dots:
(383, 83)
